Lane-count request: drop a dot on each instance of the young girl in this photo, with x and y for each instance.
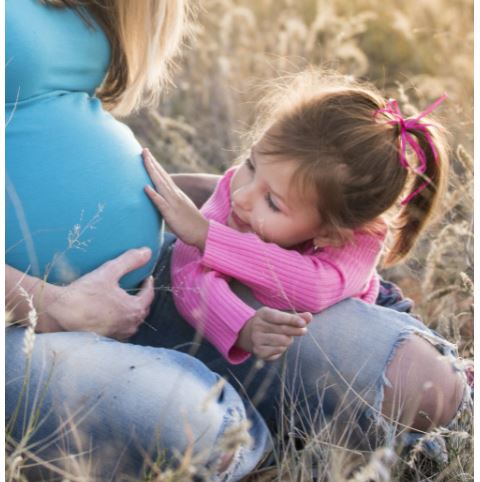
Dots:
(301, 220)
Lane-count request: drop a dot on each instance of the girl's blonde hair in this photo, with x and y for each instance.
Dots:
(350, 157)
(144, 37)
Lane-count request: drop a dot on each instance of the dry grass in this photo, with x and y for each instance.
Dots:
(414, 50)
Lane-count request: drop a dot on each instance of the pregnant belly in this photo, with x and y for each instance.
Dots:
(74, 190)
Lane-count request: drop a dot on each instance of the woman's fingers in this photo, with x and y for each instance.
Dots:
(96, 302)
(126, 262)
(146, 292)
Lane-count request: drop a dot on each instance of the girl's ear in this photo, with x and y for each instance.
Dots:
(336, 237)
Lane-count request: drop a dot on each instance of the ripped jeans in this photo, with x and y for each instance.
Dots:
(333, 377)
(83, 406)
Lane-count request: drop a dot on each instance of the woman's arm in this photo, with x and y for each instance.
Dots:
(198, 187)
(21, 290)
(95, 302)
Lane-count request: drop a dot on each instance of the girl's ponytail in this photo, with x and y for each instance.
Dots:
(428, 142)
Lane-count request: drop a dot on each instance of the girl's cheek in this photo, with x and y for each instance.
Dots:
(239, 179)
(234, 185)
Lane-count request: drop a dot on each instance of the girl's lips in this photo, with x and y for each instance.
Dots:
(239, 222)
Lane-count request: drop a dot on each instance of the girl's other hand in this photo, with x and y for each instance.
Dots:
(96, 302)
(178, 210)
(270, 332)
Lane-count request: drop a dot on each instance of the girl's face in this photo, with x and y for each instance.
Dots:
(264, 202)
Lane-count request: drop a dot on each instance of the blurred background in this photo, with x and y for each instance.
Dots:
(413, 50)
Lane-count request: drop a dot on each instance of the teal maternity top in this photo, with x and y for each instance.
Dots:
(74, 174)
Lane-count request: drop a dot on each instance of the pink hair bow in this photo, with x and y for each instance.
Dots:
(412, 123)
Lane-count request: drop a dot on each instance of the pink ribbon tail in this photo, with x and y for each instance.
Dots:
(406, 138)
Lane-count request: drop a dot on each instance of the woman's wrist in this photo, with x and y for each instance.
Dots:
(27, 297)
(54, 308)
(66, 309)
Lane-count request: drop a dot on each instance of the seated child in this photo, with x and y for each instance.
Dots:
(302, 220)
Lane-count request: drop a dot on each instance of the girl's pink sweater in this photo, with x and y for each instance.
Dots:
(300, 279)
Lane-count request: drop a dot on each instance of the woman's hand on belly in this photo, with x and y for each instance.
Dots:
(96, 302)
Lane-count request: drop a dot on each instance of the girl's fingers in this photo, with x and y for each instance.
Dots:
(308, 317)
(157, 179)
(269, 353)
(156, 198)
(274, 357)
(287, 330)
(274, 341)
(277, 317)
(152, 168)
(156, 171)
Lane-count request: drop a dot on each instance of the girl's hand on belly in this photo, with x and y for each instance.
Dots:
(96, 302)
(177, 209)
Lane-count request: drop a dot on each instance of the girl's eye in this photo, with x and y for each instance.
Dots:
(270, 203)
(249, 164)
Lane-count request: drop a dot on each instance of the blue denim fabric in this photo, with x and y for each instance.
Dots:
(333, 375)
(83, 398)
(391, 296)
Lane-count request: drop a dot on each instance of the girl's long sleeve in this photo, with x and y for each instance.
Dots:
(288, 279)
(204, 298)
(303, 280)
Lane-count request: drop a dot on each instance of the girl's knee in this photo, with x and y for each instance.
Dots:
(426, 391)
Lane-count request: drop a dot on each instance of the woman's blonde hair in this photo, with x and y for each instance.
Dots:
(144, 37)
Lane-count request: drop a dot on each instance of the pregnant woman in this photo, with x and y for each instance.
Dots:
(75, 200)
